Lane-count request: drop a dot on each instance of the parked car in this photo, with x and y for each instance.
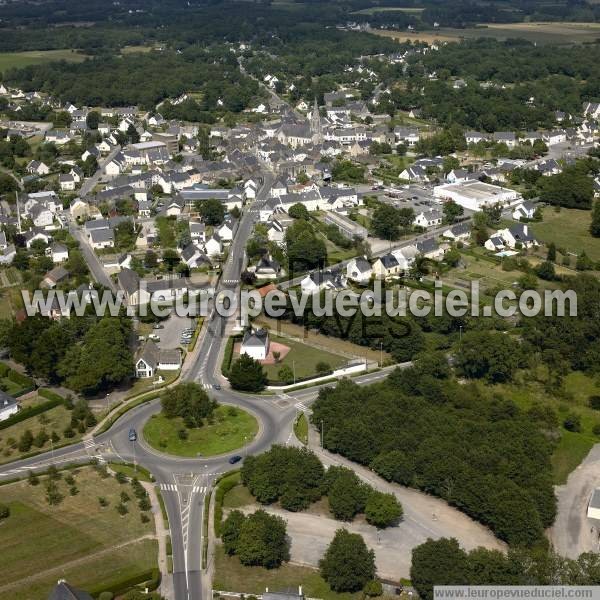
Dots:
(154, 337)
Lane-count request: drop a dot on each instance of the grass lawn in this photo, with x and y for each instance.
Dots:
(232, 429)
(11, 60)
(335, 254)
(166, 231)
(56, 419)
(230, 575)
(332, 344)
(301, 428)
(568, 229)
(237, 497)
(141, 473)
(146, 384)
(42, 541)
(303, 358)
(573, 396)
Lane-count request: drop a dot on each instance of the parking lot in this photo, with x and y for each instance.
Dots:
(172, 328)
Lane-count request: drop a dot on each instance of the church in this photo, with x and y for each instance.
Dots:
(296, 135)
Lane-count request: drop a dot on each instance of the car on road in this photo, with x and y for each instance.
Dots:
(216, 386)
(158, 326)
(154, 337)
(235, 459)
(132, 435)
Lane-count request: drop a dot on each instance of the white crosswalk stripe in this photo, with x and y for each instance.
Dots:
(168, 487)
(90, 443)
(199, 489)
(301, 406)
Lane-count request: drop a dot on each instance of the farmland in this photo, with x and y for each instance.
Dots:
(539, 32)
(44, 543)
(17, 60)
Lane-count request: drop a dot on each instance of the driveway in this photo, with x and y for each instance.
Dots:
(572, 532)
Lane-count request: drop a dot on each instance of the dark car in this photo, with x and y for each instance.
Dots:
(132, 435)
(235, 459)
(216, 386)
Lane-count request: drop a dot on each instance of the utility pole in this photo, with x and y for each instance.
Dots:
(294, 369)
(381, 354)
(322, 433)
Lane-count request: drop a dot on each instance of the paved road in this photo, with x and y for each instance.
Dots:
(91, 182)
(98, 272)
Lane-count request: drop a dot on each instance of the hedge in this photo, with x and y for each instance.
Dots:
(49, 394)
(19, 378)
(226, 484)
(228, 354)
(32, 411)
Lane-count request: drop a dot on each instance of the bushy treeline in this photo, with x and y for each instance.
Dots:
(443, 562)
(422, 429)
(296, 478)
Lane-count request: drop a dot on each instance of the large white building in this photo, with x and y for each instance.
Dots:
(475, 194)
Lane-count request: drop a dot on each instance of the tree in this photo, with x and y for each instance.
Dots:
(348, 564)
(323, 367)
(346, 493)
(285, 374)
(305, 250)
(545, 270)
(230, 531)
(487, 355)
(438, 562)
(584, 262)
(299, 211)
(211, 210)
(4, 512)
(450, 164)
(386, 222)
(551, 252)
(93, 119)
(595, 226)
(572, 188)
(247, 374)
(382, 510)
(452, 211)
(262, 541)
(190, 402)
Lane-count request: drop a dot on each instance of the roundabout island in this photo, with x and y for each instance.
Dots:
(227, 429)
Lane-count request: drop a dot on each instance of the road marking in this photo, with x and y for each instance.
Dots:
(199, 489)
(301, 406)
(168, 487)
(90, 443)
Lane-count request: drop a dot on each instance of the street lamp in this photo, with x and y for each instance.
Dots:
(460, 328)
(381, 354)
(107, 403)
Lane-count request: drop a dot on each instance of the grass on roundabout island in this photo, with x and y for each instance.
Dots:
(232, 428)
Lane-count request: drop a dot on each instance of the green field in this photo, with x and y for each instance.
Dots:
(232, 429)
(301, 428)
(12, 60)
(303, 359)
(230, 575)
(572, 397)
(568, 229)
(77, 539)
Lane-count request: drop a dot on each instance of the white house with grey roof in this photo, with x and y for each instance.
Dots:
(359, 270)
(9, 406)
(255, 344)
(151, 359)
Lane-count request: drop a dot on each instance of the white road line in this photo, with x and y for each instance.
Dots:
(168, 487)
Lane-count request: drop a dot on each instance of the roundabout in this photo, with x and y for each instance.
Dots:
(231, 428)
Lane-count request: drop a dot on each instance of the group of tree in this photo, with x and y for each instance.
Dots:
(87, 354)
(295, 478)
(444, 562)
(257, 539)
(190, 402)
(422, 428)
(389, 223)
(247, 374)
(305, 248)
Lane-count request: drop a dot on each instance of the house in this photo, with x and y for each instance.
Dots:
(54, 277)
(36, 167)
(213, 246)
(9, 406)
(386, 266)
(267, 268)
(359, 270)
(41, 215)
(414, 173)
(474, 137)
(152, 359)
(347, 227)
(554, 137)
(429, 248)
(518, 235)
(3, 241)
(193, 257)
(32, 236)
(460, 231)
(428, 218)
(225, 231)
(139, 292)
(407, 135)
(197, 231)
(255, 344)
(59, 252)
(7, 254)
(457, 175)
(318, 281)
(102, 238)
(64, 591)
(406, 257)
(525, 210)
(66, 182)
(175, 207)
(79, 209)
(144, 208)
(505, 137)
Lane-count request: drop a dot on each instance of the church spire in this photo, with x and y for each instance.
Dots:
(315, 123)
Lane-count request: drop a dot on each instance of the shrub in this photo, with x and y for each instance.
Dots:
(572, 422)
(4, 511)
(594, 402)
